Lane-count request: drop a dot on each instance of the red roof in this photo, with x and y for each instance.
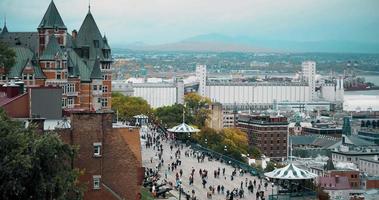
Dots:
(5, 100)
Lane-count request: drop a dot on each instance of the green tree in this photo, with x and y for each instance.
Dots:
(130, 106)
(254, 152)
(270, 167)
(171, 115)
(197, 106)
(35, 166)
(7, 57)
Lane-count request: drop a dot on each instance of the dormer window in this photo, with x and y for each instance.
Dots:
(96, 43)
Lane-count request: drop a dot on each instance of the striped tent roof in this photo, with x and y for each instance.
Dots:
(141, 116)
(290, 172)
(183, 128)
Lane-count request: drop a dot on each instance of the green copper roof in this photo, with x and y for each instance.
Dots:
(5, 29)
(90, 36)
(80, 68)
(106, 45)
(96, 72)
(53, 48)
(52, 18)
(24, 56)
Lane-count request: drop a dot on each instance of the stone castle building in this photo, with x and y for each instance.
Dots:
(79, 63)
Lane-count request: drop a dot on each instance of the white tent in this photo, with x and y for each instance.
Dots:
(290, 172)
(183, 128)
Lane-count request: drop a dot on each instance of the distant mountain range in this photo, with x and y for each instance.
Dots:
(221, 43)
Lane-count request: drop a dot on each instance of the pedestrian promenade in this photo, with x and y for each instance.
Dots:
(188, 162)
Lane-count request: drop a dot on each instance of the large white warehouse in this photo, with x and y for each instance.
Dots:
(156, 94)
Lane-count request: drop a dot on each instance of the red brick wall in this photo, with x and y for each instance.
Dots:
(19, 108)
(372, 184)
(120, 164)
(353, 177)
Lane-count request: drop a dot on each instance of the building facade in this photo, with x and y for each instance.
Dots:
(268, 133)
(79, 63)
(156, 94)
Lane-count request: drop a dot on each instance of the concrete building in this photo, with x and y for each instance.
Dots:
(326, 129)
(237, 92)
(216, 117)
(333, 92)
(370, 166)
(345, 155)
(201, 74)
(267, 133)
(309, 76)
(156, 94)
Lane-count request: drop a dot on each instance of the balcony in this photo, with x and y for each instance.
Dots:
(55, 81)
(72, 94)
(97, 93)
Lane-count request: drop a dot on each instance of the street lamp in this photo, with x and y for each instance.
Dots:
(206, 141)
(272, 190)
(225, 148)
(180, 189)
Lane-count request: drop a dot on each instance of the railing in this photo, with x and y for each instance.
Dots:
(72, 93)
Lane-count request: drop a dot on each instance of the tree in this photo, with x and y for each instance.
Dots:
(197, 106)
(254, 152)
(270, 167)
(128, 107)
(35, 166)
(7, 57)
(171, 115)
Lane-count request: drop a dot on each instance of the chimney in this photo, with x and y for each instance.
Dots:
(12, 89)
(74, 34)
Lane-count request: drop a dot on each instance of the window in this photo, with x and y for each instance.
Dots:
(105, 88)
(96, 43)
(104, 102)
(94, 87)
(105, 77)
(24, 77)
(47, 64)
(57, 64)
(64, 102)
(96, 182)
(97, 149)
(59, 75)
(70, 102)
(98, 100)
(30, 76)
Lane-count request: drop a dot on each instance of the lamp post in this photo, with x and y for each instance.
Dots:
(206, 141)
(180, 189)
(225, 149)
(272, 190)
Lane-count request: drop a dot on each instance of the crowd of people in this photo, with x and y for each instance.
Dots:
(213, 176)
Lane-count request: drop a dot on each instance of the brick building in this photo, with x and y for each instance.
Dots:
(79, 63)
(109, 156)
(268, 133)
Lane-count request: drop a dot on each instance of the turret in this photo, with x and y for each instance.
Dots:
(51, 24)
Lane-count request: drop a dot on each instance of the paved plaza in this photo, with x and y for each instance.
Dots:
(188, 163)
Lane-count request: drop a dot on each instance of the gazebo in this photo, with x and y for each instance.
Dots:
(290, 172)
(294, 181)
(141, 120)
(183, 128)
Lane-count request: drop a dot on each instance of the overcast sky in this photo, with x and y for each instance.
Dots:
(164, 21)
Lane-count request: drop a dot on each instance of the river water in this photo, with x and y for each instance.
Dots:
(363, 100)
